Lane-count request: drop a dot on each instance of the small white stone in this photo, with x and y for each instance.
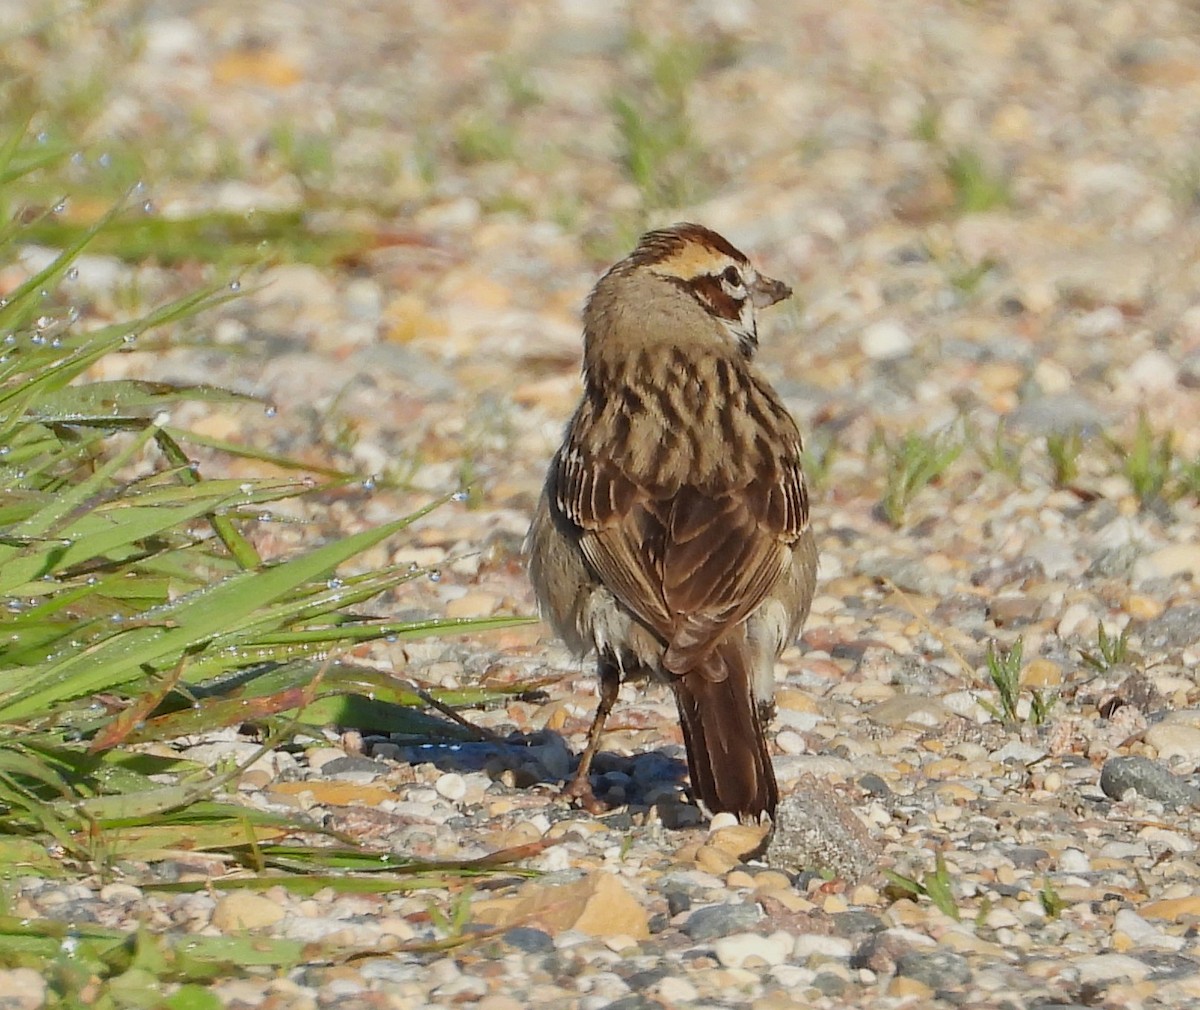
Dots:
(722, 820)
(1143, 934)
(1076, 619)
(735, 950)
(1153, 372)
(1074, 861)
(674, 989)
(1111, 967)
(806, 945)
(452, 786)
(791, 742)
(885, 340)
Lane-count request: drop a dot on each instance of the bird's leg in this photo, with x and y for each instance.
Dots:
(580, 786)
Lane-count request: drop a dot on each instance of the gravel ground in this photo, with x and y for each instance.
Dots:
(989, 212)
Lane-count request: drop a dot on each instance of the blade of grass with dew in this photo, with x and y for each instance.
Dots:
(194, 619)
(102, 402)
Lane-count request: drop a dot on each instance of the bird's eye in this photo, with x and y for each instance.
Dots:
(732, 277)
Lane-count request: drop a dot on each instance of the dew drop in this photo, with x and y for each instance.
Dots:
(56, 342)
(147, 206)
(105, 160)
(59, 207)
(335, 583)
(235, 285)
(435, 576)
(370, 482)
(270, 410)
(246, 488)
(77, 159)
(265, 517)
(73, 274)
(460, 495)
(42, 137)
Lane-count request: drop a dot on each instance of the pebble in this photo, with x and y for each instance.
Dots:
(1150, 779)
(736, 949)
(885, 340)
(452, 786)
(721, 920)
(1111, 968)
(1173, 740)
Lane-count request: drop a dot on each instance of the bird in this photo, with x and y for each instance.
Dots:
(672, 536)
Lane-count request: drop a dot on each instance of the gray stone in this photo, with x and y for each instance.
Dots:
(1057, 414)
(815, 829)
(939, 969)
(1150, 779)
(1175, 629)
(713, 921)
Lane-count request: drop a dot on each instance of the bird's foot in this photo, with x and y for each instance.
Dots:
(579, 792)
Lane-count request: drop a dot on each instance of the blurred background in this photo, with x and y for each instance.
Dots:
(989, 212)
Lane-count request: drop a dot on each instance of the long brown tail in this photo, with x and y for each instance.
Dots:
(728, 757)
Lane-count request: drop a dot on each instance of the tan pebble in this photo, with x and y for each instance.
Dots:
(738, 840)
(1120, 943)
(1143, 608)
(948, 814)
(245, 910)
(472, 605)
(865, 895)
(1042, 673)
(407, 318)
(1171, 909)
(796, 701)
(833, 904)
(944, 768)
(1174, 740)
(789, 899)
(255, 778)
(393, 925)
(714, 860)
(1176, 559)
(908, 988)
(499, 1001)
(952, 792)
(499, 807)
(772, 880)
(739, 878)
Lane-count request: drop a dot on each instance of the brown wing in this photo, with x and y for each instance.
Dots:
(697, 555)
(693, 560)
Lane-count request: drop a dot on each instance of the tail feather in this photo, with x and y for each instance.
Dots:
(728, 757)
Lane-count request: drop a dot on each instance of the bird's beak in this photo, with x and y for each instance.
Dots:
(767, 291)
